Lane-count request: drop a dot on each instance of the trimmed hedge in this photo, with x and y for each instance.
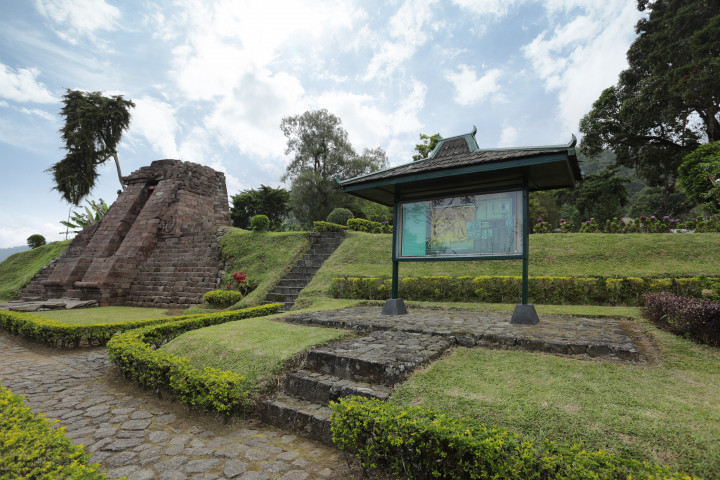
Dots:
(321, 226)
(222, 298)
(691, 317)
(504, 289)
(362, 225)
(57, 333)
(30, 448)
(416, 443)
(138, 356)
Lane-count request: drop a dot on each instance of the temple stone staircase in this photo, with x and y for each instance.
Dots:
(369, 366)
(287, 291)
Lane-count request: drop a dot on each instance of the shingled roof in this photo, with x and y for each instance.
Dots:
(458, 165)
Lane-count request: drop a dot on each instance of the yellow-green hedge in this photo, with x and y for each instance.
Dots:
(58, 333)
(507, 289)
(30, 448)
(137, 355)
(417, 443)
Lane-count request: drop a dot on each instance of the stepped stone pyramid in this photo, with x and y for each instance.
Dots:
(156, 246)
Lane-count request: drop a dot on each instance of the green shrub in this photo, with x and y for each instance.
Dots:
(507, 289)
(362, 225)
(35, 241)
(340, 216)
(259, 223)
(137, 355)
(222, 298)
(320, 226)
(61, 334)
(417, 443)
(30, 448)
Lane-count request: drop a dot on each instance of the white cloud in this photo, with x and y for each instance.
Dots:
(155, 120)
(36, 112)
(17, 232)
(496, 8)
(79, 18)
(584, 56)
(408, 30)
(509, 137)
(471, 89)
(22, 86)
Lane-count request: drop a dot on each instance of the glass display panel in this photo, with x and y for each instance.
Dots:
(468, 225)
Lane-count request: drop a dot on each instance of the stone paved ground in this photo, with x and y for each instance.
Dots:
(594, 337)
(131, 432)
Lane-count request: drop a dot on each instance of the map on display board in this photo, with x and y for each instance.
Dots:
(469, 226)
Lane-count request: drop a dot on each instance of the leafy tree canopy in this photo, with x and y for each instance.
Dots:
(600, 196)
(93, 127)
(668, 100)
(699, 175)
(268, 201)
(322, 153)
(427, 145)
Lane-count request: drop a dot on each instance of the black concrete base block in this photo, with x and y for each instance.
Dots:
(525, 315)
(394, 306)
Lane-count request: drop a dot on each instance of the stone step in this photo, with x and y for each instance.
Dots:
(383, 357)
(301, 270)
(298, 416)
(321, 388)
(277, 297)
(294, 282)
(281, 290)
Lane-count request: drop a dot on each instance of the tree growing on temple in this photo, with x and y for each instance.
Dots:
(94, 125)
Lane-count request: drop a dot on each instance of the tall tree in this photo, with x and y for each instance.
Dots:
(600, 195)
(94, 125)
(266, 200)
(668, 100)
(322, 153)
(427, 144)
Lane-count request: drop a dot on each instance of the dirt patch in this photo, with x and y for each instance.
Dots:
(649, 351)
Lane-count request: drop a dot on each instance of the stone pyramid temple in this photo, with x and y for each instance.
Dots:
(157, 246)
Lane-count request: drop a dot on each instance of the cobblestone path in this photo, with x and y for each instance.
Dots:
(133, 433)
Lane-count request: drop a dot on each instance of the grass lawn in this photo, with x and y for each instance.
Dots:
(18, 269)
(255, 347)
(667, 412)
(573, 254)
(87, 316)
(264, 257)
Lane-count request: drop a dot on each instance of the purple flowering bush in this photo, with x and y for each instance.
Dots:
(697, 319)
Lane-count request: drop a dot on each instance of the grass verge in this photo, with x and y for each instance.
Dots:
(666, 413)
(100, 315)
(18, 269)
(256, 348)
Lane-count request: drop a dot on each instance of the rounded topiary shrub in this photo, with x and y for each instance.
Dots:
(340, 216)
(260, 223)
(222, 298)
(35, 241)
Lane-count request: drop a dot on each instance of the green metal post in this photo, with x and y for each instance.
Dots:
(396, 240)
(526, 240)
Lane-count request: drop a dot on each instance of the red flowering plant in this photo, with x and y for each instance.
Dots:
(242, 284)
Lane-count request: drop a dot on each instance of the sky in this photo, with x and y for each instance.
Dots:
(212, 81)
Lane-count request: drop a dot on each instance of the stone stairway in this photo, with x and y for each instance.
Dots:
(35, 289)
(369, 366)
(287, 291)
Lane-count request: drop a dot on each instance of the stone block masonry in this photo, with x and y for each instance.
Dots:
(157, 246)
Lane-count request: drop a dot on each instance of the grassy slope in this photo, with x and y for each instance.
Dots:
(363, 254)
(18, 269)
(88, 316)
(667, 412)
(255, 347)
(264, 257)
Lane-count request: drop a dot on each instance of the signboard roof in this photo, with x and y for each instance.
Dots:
(458, 164)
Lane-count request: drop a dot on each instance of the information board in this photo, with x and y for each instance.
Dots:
(481, 225)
